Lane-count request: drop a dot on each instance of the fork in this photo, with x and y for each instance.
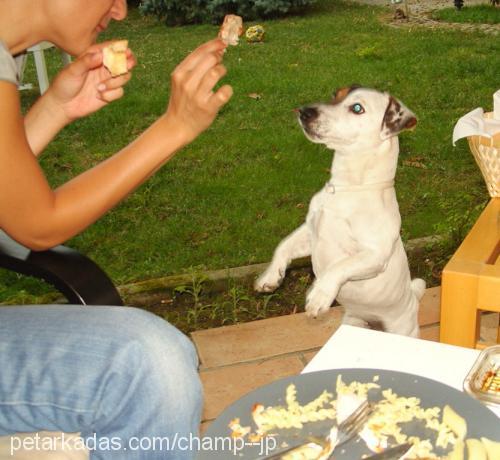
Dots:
(351, 426)
(346, 430)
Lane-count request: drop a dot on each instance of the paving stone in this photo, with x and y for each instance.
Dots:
(282, 335)
(430, 307)
(430, 333)
(225, 385)
(309, 355)
(265, 338)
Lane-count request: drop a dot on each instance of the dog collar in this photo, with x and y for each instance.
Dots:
(332, 188)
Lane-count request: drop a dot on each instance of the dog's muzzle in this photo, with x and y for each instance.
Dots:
(308, 115)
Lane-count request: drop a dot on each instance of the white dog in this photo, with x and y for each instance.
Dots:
(352, 230)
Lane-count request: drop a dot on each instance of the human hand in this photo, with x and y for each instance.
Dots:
(85, 85)
(193, 102)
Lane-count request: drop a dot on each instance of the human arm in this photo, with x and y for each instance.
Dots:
(81, 88)
(39, 217)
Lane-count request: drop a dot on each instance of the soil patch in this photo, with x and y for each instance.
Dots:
(197, 303)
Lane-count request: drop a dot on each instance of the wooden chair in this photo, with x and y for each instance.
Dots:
(471, 281)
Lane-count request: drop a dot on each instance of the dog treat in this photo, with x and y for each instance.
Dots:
(115, 57)
(231, 29)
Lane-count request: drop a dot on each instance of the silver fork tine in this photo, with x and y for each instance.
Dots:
(349, 428)
(357, 412)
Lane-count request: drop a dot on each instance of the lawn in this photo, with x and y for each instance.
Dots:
(485, 14)
(231, 196)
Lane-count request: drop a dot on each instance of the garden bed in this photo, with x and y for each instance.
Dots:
(202, 300)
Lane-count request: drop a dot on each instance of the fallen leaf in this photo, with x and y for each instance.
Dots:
(414, 164)
(419, 158)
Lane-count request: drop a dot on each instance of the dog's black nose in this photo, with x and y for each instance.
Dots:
(308, 114)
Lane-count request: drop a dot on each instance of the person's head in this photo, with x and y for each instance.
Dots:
(74, 25)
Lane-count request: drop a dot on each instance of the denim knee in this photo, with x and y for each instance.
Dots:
(157, 336)
(157, 365)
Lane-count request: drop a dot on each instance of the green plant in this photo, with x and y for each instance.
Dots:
(456, 224)
(177, 12)
(229, 310)
(262, 306)
(236, 297)
(371, 51)
(195, 290)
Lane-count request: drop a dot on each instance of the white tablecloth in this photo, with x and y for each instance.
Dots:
(353, 347)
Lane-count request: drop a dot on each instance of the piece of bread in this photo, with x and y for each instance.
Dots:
(115, 57)
(231, 29)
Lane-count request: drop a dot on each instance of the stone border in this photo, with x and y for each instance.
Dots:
(218, 280)
(424, 19)
(142, 293)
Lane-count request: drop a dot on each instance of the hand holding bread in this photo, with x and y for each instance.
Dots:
(194, 103)
(85, 85)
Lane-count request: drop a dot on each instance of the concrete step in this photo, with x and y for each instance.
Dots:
(238, 359)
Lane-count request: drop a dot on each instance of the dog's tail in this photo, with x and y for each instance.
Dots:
(418, 287)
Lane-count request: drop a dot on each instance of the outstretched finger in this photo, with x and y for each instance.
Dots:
(210, 79)
(115, 82)
(112, 95)
(84, 63)
(204, 67)
(220, 97)
(190, 62)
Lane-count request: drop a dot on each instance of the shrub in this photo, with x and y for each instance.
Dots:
(177, 12)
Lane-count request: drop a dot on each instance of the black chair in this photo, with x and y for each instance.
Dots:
(74, 275)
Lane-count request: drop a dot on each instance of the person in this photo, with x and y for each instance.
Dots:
(110, 373)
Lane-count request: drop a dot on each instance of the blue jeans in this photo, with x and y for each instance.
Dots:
(124, 378)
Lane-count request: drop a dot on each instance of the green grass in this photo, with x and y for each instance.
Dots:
(229, 198)
(483, 14)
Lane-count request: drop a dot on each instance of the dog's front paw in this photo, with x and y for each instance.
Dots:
(269, 280)
(318, 301)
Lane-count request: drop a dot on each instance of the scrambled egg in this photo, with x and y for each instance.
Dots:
(383, 428)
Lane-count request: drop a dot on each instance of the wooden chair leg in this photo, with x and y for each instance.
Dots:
(460, 320)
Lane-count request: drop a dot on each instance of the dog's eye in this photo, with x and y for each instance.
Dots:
(357, 108)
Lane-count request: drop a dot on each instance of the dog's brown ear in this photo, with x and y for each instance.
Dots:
(341, 93)
(397, 117)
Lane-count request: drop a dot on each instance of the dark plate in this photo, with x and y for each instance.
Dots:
(217, 444)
